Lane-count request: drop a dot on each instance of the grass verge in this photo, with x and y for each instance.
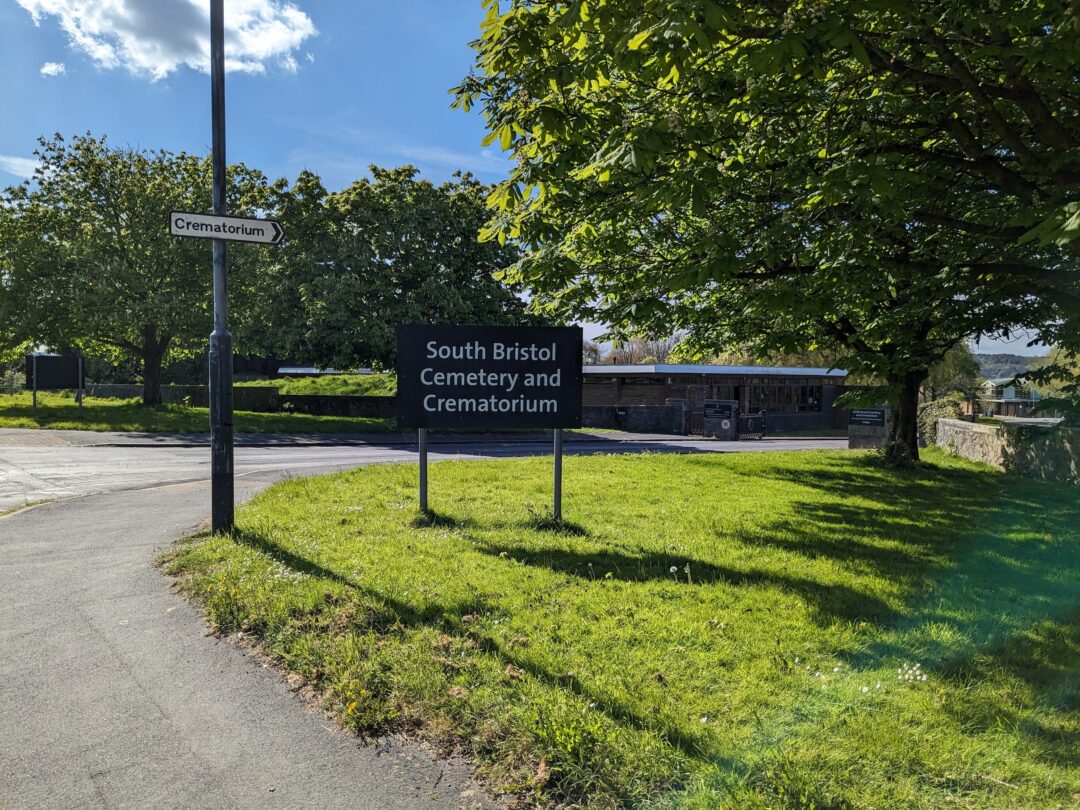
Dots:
(59, 412)
(773, 630)
(357, 385)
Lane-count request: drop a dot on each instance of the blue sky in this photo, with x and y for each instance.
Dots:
(331, 86)
(328, 85)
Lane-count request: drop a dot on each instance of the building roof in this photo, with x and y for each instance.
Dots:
(1001, 380)
(771, 371)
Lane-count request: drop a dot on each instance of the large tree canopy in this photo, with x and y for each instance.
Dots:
(389, 250)
(87, 263)
(884, 179)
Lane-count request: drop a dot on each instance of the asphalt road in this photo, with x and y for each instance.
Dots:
(51, 465)
(113, 695)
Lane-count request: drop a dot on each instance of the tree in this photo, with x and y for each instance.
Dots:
(592, 353)
(1057, 378)
(957, 372)
(389, 250)
(87, 263)
(879, 181)
(643, 350)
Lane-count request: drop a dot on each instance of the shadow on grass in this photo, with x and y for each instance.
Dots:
(1046, 657)
(440, 520)
(990, 562)
(830, 602)
(552, 525)
(406, 615)
(451, 619)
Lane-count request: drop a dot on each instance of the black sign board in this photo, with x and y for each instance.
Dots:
(719, 409)
(872, 417)
(54, 372)
(488, 377)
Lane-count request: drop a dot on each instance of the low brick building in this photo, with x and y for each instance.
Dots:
(792, 398)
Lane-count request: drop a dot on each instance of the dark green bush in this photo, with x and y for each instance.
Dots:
(949, 406)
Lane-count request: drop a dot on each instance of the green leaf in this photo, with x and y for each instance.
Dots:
(638, 40)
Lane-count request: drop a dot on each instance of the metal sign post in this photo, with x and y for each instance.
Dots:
(221, 394)
(423, 470)
(82, 384)
(557, 510)
(222, 229)
(35, 386)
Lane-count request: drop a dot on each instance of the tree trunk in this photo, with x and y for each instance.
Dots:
(153, 354)
(903, 444)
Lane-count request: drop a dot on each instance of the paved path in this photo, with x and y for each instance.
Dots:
(113, 696)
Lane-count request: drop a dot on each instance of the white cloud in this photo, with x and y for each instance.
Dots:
(18, 166)
(157, 37)
(53, 69)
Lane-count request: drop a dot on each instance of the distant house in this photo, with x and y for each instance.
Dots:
(1005, 396)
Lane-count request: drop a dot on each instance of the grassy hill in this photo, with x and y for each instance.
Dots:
(1003, 365)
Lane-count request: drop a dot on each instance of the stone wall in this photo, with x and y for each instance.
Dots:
(974, 441)
(1043, 452)
(1035, 451)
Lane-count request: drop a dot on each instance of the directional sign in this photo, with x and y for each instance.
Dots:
(234, 229)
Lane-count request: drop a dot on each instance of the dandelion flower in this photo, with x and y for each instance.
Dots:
(674, 569)
(865, 689)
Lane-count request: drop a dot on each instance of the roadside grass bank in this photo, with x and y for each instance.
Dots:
(357, 385)
(11, 510)
(745, 630)
(60, 412)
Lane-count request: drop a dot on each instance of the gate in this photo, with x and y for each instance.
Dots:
(751, 426)
(696, 394)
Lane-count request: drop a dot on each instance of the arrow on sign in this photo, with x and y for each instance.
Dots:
(233, 229)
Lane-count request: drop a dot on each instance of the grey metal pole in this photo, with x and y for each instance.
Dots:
(423, 470)
(221, 394)
(35, 385)
(80, 385)
(557, 513)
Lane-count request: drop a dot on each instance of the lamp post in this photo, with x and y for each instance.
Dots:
(221, 393)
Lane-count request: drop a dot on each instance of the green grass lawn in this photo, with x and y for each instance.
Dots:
(368, 385)
(775, 630)
(59, 412)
